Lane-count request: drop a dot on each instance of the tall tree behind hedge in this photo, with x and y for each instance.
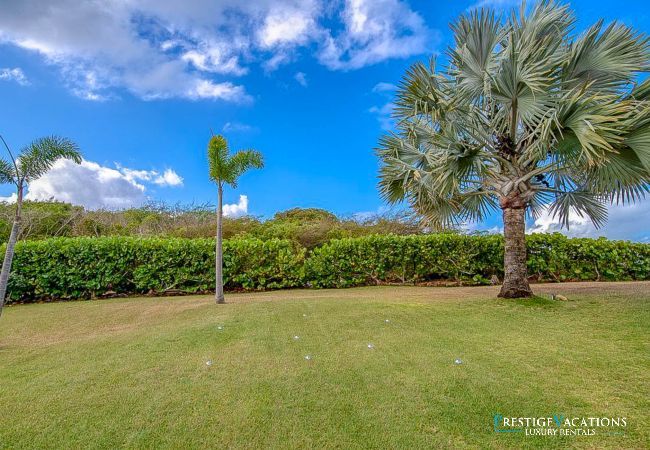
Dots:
(32, 162)
(526, 116)
(226, 169)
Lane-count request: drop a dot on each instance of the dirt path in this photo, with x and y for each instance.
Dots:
(153, 305)
(446, 293)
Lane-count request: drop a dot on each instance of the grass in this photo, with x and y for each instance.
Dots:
(132, 372)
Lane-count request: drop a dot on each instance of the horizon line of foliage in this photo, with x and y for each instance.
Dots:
(310, 227)
(73, 268)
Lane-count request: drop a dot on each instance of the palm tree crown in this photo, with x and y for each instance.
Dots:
(36, 159)
(526, 115)
(227, 169)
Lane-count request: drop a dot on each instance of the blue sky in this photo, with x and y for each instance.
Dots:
(139, 84)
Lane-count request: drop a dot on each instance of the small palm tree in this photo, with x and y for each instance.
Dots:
(32, 162)
(226, 169)
(526, 116)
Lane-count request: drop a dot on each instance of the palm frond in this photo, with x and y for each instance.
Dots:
(593, 121)
(474, 57)
(242, 161)
(620, 177)
(606, 58)
(41, 154)
(638, 137)
(224, 168)
(422, 92)
(218, 158)
(7, 172)
(585, 204)
(641, 91)
(477, 205)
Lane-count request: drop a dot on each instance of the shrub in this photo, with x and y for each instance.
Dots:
(405, 259)
(472, 259)
(554, 257)
(88, 267)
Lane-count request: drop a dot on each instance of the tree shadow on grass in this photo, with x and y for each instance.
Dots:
(535, 301)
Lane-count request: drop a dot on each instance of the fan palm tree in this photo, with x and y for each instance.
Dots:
(526, 116)
(32, 162)
(226, 169)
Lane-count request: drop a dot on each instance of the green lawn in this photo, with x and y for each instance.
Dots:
(132, 372)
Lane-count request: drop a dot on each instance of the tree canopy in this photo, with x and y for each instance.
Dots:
(526, 114)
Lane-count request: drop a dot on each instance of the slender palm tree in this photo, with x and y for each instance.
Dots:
(32, 162)
(526, 116)
(226, 169)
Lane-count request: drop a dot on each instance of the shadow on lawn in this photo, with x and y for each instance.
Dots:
(535, 301)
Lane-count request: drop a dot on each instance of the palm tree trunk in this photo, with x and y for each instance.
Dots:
(515, 281)
(219, 250)
(9, 252)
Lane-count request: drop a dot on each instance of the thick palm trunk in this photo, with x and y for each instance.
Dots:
(9, 252)
(219, 250)
(515, 281)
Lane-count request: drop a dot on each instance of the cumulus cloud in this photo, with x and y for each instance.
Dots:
(95, 186)
(375, 30)
(16, 74)
(624, 222)
(168, 178)
(289, 24)
(88, 184)
(236, 209)
(159, 49)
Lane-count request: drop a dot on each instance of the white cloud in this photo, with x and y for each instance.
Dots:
(213, 59)
(88, 184)
(100, 46)
(204, 89)
(288, 24)
(375, 30)
(236, 209)
(382, 87)
(384, 111)
(237, 127)
(95, 186)
(160, 49)
(168, 178)
(624, 222)
(16, 74)
(10, 198)
(301, 78)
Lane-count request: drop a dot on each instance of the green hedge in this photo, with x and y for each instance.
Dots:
(473, 259)
(89, 267)
(405, 259)
(554, 257)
